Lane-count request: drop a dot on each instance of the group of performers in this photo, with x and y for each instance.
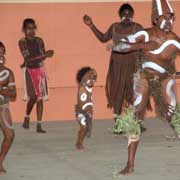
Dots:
(141, 65)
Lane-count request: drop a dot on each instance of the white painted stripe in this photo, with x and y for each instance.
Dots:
(88, 89)
(165, 45)
(71, 1)
(171, 94)
(154, 66)
(162, 23)
(132, 38)
(158, 2)
(86, 105)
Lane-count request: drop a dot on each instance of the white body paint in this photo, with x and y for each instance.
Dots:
(88, 89)
(82, 119)
(153, 66)
(132, 38)
(83, 97)
(165, 45)
(133, 138)
(138, 98)
(86, 105)
(163, 24)
(171, 95)
(4, 75)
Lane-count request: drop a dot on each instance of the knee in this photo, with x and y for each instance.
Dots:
(10, 136)
(33, 99)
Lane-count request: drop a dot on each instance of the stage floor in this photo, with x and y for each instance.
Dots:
(53, 156)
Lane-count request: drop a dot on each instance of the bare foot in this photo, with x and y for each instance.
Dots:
(26, 123)
(40, 129)
(2, 170)
(127, 170)
(79, 147)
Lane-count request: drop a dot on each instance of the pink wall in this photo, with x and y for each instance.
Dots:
(61, 27)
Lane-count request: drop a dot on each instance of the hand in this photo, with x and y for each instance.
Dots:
(87, 20)
(49, 53)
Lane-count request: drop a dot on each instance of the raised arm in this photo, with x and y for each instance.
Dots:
(103, 37)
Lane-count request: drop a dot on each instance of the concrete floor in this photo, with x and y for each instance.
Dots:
(53, 157)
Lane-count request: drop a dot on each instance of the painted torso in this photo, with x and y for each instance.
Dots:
(85, 98)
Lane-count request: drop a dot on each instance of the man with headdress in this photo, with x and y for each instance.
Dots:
(156, 74)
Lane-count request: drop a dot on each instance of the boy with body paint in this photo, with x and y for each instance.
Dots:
(86, 77)
(7, 93)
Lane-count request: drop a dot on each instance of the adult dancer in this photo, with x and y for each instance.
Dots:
(156, 74)
(34, 54)
(7, 92)
(119, 81)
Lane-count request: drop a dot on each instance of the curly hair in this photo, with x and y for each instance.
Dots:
(124, 7)
(81, 72)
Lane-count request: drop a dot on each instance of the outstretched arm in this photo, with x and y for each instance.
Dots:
(103, 37)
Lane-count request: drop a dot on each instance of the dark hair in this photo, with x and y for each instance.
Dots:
(26, 22)
(124, 7)
(81, 72)
(2, 45)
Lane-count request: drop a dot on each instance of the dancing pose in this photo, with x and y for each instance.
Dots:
(156, 74)
(119, 81)
(34, 53)
(7, 93)
(84, 107)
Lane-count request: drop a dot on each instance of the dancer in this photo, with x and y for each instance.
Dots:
(156, 74)
(34, 54)
(119, 81)
(7, 93)
(86, 77)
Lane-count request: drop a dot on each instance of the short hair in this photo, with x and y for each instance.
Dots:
(3, 46)
(26, 22)
(81, 72)
(124, 7)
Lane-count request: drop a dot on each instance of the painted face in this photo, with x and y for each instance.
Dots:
(90, 77)
(30, 30)
(2, 58)
(126, 15)
(165, 22)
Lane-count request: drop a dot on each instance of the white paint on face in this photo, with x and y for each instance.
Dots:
(123, 18)
(171, 94)
(159, 7)
(86, 105)
(162, 25)
(1, 61)
(83, 97)
(88, 81)
(165, 45)
(4, 75)
(132, 38)
(153, 66)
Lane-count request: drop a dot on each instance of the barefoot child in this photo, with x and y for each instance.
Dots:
(86, 77)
